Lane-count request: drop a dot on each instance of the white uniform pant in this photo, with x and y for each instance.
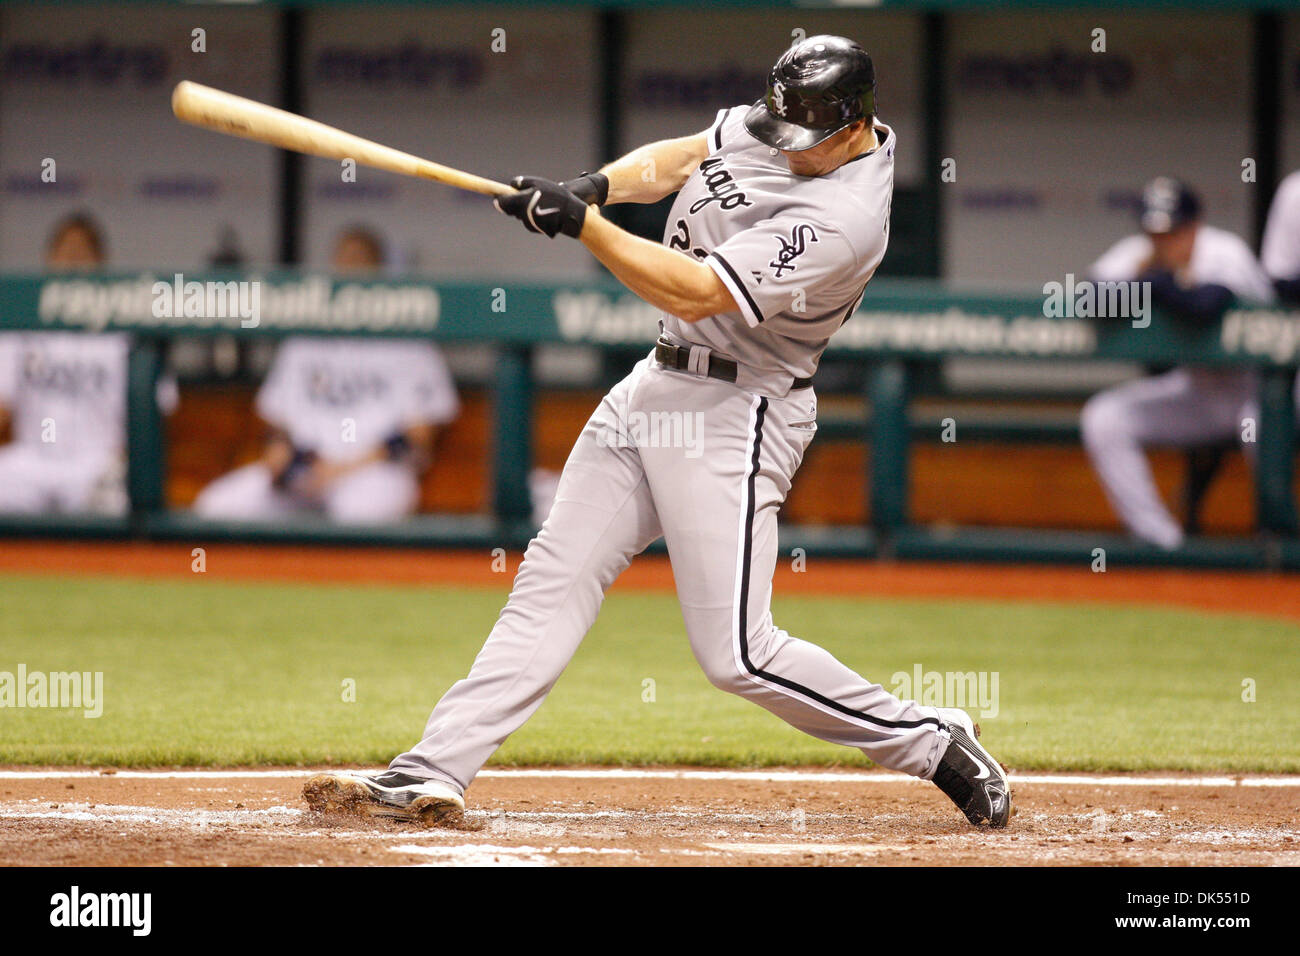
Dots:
(1181, 408)
(714, 498)
(373, 494)
(35, 481)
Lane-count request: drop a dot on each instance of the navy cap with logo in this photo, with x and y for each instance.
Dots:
(1166, 205)
(817, 87)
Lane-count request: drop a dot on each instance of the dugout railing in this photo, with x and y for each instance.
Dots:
(903, 328)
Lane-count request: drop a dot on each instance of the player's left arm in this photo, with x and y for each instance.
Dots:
(412, 444)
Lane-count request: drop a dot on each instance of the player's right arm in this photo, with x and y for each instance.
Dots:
(278, 451)
(655, 170)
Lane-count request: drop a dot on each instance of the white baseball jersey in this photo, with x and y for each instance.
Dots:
(342, 397)
(66, 391)
(796, 252)
(1218, 257)
(1280, 251)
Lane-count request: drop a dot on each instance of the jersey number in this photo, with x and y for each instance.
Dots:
(682, 240)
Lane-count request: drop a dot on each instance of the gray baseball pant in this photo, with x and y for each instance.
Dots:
(713, 494)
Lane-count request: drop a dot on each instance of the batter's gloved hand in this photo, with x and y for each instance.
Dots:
(544, 206)
(591, 188)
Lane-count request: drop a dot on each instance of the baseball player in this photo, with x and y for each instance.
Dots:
(781, 220)
(64, 395)
(1195, 271)
(353, 423)
(1280, 250)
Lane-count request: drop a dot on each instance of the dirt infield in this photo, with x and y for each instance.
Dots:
(1270, 594)
(620, 817)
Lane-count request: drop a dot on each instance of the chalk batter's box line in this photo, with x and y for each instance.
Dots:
(741, 776)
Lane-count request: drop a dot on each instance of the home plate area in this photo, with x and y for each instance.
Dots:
(619, 817)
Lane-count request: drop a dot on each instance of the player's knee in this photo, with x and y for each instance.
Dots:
(379, 494)
(235, 496)
(733, 669)
(363, 512)
(216, 501)
(721, 667)
(728, 677)
(1102, 419)
(22, 500)
(362, 509)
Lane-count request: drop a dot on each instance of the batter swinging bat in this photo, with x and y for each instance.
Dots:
(226, 113)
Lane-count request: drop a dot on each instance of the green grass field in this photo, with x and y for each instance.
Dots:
(218, 673)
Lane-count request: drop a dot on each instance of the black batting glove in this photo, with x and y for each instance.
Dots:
(544, 206)
(591, 188)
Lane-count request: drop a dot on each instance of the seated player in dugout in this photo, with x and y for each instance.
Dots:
(353, 422)
(63, 398)
(781, 218)
(1196, 271)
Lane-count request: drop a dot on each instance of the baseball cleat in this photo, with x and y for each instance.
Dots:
(390, 795)
(970, 776)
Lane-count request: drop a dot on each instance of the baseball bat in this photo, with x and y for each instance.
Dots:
(236, 116)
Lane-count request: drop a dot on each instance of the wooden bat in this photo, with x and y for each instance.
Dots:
(226, 113)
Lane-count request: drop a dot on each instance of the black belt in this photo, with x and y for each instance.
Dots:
(679, 358)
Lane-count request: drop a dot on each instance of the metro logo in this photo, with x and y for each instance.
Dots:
(95, 61)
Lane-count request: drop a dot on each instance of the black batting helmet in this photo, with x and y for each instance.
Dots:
(1166, 205)
(817, 87)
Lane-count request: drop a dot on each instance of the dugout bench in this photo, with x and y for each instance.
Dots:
(903, 328)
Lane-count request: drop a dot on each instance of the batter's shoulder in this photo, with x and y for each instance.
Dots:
(1228, 242)
(1288, 190)
(858, 199)
(861, 220)
(728, 131)
(1122, 261)
(1285, 207)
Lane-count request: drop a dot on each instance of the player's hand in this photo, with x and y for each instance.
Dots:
(320, 477)
(288, 465)
(544, 206)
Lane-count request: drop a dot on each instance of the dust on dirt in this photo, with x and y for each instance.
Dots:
(688, 819)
